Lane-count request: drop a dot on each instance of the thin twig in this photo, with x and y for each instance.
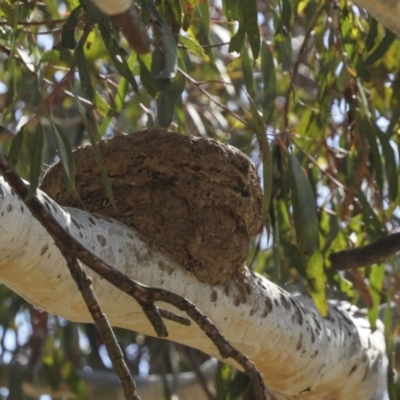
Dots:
(213, 99)
(84, 283)
(296, 66)
(144, 295)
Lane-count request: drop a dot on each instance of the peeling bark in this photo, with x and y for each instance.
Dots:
(300, 354)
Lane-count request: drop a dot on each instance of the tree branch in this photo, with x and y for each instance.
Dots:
(373, 253)
(296, 350)
(145, 296)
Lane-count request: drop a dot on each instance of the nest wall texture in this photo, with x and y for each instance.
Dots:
(196, 198)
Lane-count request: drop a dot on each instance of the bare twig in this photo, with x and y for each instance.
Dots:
(145, 296)
(213, 99)
(296, 66)
(84, 284)
(373, 253)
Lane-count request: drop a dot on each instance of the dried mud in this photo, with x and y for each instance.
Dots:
(198, 199)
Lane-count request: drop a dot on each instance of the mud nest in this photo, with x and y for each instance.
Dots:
(198, 199)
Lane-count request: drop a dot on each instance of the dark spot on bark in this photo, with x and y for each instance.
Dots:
(252, 311)
(12, 192)
(102, 240)
(80, 234)
(285, 302)
(55, 208)
(2, 213)
(59, 276)
(214, 296)
(92, 220)
(9, 207)
(268, 307)
(317, 323)
(44, 249)
(347, 319)
(22, 208)
(299, 343)
(47, 206)
(130, 236)
(236, 302)
(353, 369)
(276, 301)
(297, 315)
(312, 336)
(75, 223)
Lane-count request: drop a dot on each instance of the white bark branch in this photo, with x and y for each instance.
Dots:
(299, 353)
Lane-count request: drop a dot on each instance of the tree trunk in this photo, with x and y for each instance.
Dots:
(299, 353)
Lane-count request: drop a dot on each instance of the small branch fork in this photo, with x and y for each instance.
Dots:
(146, 296)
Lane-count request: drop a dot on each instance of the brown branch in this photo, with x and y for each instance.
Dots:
(373, 253)
(145, 296)
(84, 283)
(134, 30)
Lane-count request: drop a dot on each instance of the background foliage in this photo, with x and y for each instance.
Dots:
(308, 89)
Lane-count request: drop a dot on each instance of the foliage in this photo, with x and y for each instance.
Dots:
(311, 95)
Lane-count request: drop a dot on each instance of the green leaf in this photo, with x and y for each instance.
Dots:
(266, 157)
(146, 77)
(367, 130)
(68, 30)
(247, 68)
(84, 73)
(390, 163)
(222, 380)
(237, 41)
(91, 128)
(93, 13)
(376, 279)
(117, 55)
(65, 153)
(286, 17)
(373, 225)
(166, 101)
(194, 47)
(316, 280)
(381, 48)
(168, 42)
(248, 10)
(304, 208)
(372, 33)
(269, 79)
(307, 234)
(35, 161)
(231, 9)
(15, 147)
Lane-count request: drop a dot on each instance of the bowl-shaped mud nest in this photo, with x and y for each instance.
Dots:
(198, 199)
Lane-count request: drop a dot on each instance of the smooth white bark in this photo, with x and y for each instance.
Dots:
(300, 354)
